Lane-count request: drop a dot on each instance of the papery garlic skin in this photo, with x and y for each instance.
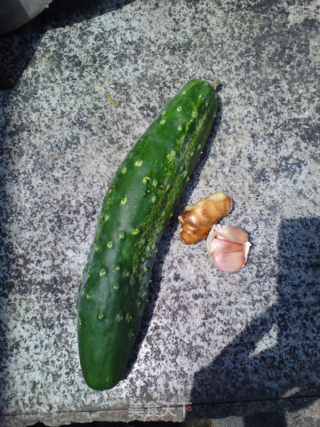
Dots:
(229, 247)
(197, 220)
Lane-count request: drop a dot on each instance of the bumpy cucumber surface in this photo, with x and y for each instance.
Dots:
(135, 211)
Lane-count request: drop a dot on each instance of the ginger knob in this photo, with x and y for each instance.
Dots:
(197, 220)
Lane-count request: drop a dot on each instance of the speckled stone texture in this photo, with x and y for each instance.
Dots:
(230, 345)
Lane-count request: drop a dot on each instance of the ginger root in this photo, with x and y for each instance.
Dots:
(197, 220)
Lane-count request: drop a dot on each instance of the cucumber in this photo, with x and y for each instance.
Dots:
(135, 211)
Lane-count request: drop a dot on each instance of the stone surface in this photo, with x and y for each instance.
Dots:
(232, 345)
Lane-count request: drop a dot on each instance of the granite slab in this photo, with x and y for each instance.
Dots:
(212, 344)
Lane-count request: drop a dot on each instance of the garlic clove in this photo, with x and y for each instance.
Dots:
(229, 247)
(219, 245)
(231, 233)
(229, 262)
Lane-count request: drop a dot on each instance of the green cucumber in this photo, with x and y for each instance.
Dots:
(135, 211)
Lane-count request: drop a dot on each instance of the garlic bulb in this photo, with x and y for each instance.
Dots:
(229, 247)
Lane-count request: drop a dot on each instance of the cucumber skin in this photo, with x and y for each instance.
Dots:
(135, 211)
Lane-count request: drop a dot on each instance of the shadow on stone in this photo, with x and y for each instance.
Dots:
(164, 244)
(285, 376)
(274, 419)
(18, 47)
(3, 262)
